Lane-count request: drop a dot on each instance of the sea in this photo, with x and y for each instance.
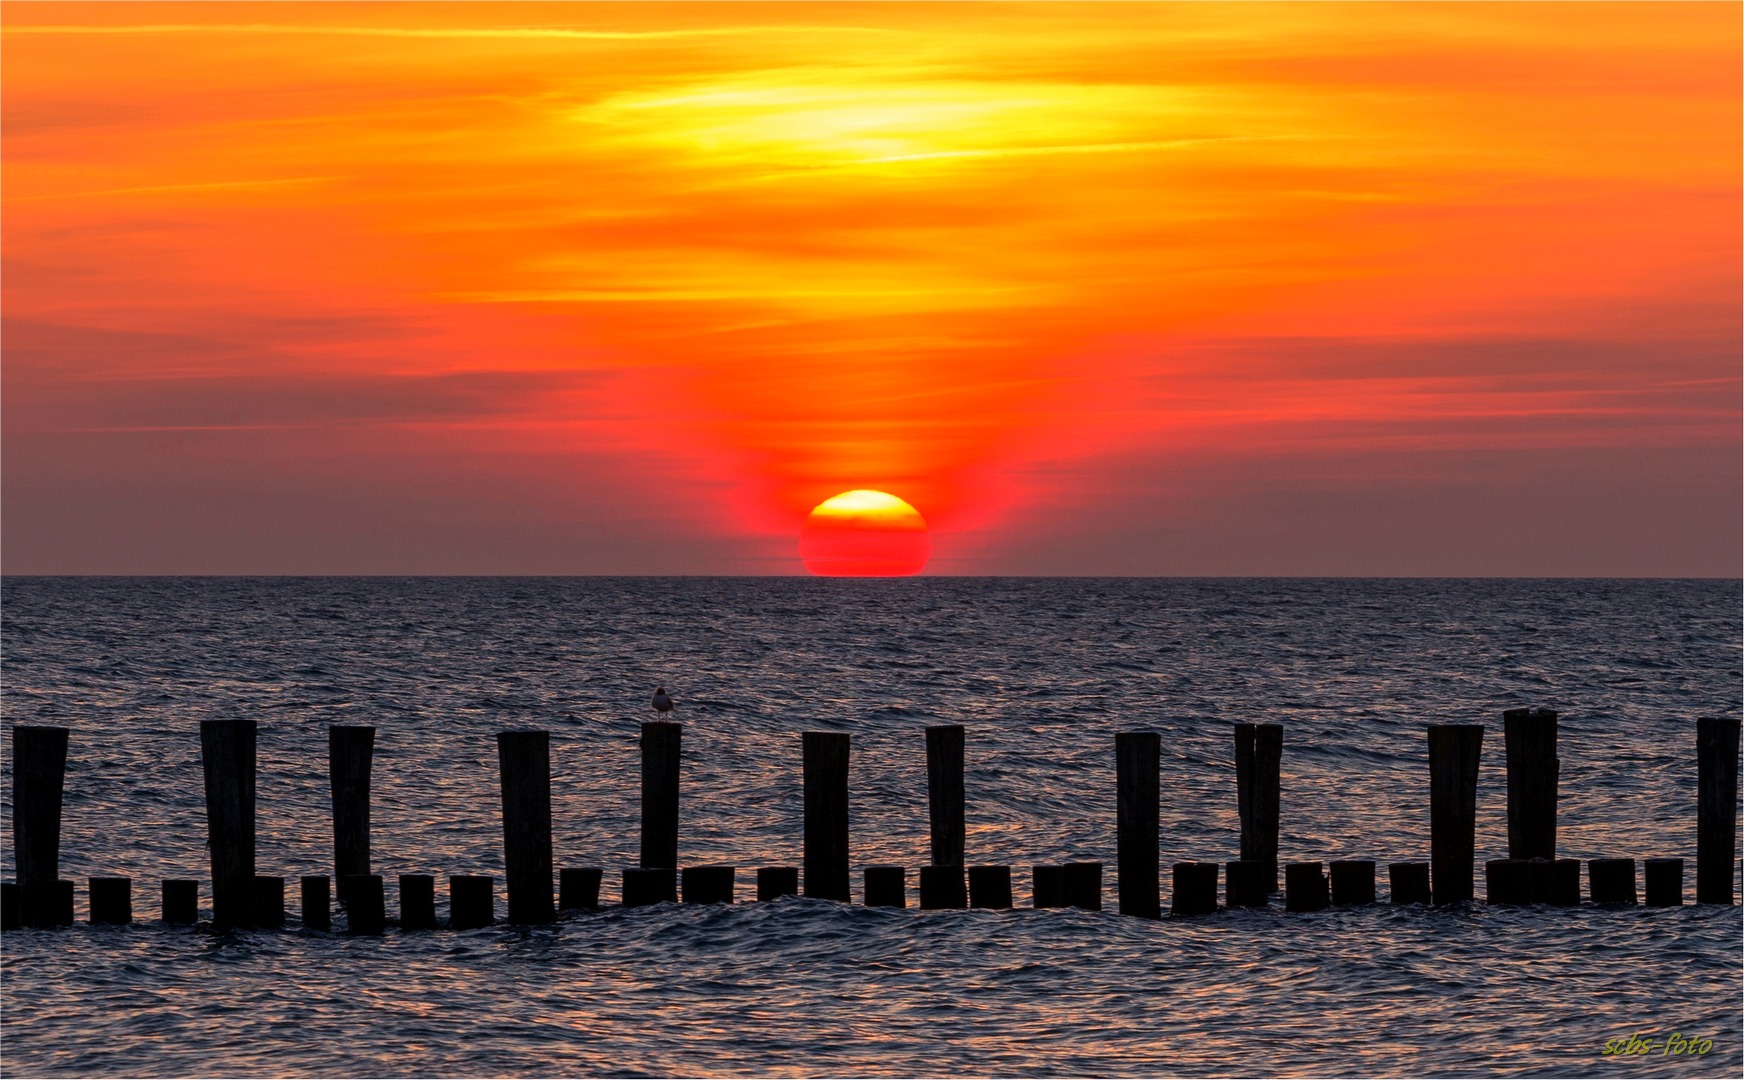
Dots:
(1042, 673)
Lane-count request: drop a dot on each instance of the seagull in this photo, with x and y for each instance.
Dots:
(662, 703)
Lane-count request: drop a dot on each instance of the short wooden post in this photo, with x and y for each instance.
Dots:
(774, 882)
(417, 902)
(365, 907)
(1195, 888)
(662, 752)
(578, 888)
(1408, 882)
(1611, 881)
(1137, 757)
(47, 903)
(227, 752)
(886, 886)
(708, 884)
(944, 747)
(990, 887)
(1555, 881)
(1716, 807)
(1247, 883)
(317, 905)
(1529, 742)
(269, 901)
(1664, 880)
(11, 906)
(350, 751)
(1083, 882)
(826, 814)
(525, 760)
(1259, 750)
(471, 901)
(1453, 807)
(1304, 887)
(39, 770)
(1353, 882)
(181, 901)
(1508, 881)
(645, 885)
(1048, 886)
(111, 901)
(942, 887)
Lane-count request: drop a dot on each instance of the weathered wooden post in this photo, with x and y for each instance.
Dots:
(350, 751)
(774, 882)
(1508, 881)
(1555, 881)
(181, 901)
(578, 888)
(1408, 882)
(1611, 881)
(1137, 756)
(1247, 883)
(645, 885)
(11, 906)
(1529, 740)
(471, 901)
(1453, 808)
(942, 887)
(227, 752)
(1048, 886)
(1664, 880)
(990, 887)
(662, 751)
(1353, 882)
(317, 904)
(1716, 807)
(39, 770)
(269, 901)
(944, 747)
(47, 902)
(1259, 750)
(1195, 890)
(525, 761)
(886, 886)
(417, 902)
(111, 901)
(365, 907)
(1083, 885)
(826, 814)
(1304, 887)
(708, 884)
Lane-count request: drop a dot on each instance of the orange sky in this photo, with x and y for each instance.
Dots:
(629, 288)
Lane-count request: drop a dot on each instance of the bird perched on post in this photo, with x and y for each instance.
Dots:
(662, 703)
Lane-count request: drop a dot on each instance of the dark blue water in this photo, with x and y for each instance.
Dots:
(1042, 672)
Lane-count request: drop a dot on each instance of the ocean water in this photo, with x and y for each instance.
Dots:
(1042, 672)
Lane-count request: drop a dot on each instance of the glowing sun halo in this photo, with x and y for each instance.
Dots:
(864, 533)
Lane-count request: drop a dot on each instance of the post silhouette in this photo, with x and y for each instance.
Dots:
(350, 751)
(39, 769)
(661, 753)
(990, 887)
(1137, 756)
(1454, 750)
(417, 902)
(471, 901)
(524, 758)
(181, 901)
(886, 886)
(1664, 881)
(1259, 750)
(1195, 890)
(774, 882)
(1529, 739)
(227, 753)
(1716, 807)
(1408, 882)
(111, 901)
(944, 746)
(578, 888)
(317, 907)
(1353, 882)
(826, 814)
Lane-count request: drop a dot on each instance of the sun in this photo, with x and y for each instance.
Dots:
(864, 533)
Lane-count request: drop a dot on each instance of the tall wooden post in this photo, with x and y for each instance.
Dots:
(1259, 750)
(826, 814)
(349, 753)
(1716, 807)
(1529, 739)
(227, 752)
(944, 745)
(525, 761)
(661, 752)
(1453, 809)
(1137, 755)
(39, 770)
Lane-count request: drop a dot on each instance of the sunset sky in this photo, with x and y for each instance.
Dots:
(1098, 289)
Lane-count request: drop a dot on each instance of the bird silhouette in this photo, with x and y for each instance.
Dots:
(662, 703)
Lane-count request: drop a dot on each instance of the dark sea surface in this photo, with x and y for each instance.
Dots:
(1042, 672)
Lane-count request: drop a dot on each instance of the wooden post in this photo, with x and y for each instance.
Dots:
(365, 908)
(47, 903)
(350, 751)
(525, 760)
(1247, 883)
(1529, 740)
(471, 903)
(417, 902)
(1408, 882)
(1611, 881)
(1508, 881)
(1195, 891)
(578, 888)
(1716, 808)
(1304, 887)
(227, 752)
(1353, 882)
(990, 887)
(111, 901)
(886, 886)
(1664, 882)
(944, 746)
(269, 901)
(709, 884)
(1555, 881)
(181, 901)
(1137, 755)
(774, 882)
(826, 814)
(1048, 886)
(317, 907)
(1083, 883)
(1453, 808)
(11, 906)
(942, 887)
(661, 754)
(645, 885)
(39, 771)
(1259, 750)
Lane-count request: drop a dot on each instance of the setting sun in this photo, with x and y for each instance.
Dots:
(864, 533)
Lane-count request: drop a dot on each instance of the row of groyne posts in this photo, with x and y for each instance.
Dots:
(1532, 874)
